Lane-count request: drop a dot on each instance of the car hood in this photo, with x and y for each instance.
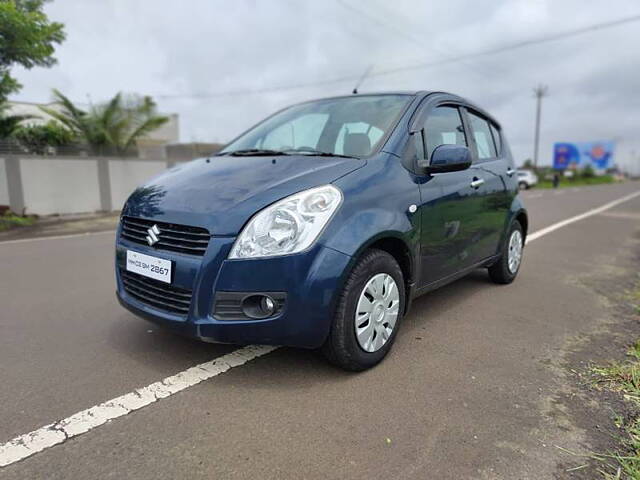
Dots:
(222, 193)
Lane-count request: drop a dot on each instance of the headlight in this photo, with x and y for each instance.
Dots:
(288, 226)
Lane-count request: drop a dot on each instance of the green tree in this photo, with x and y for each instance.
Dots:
(27, 38)
(528, 164)
(116, 124)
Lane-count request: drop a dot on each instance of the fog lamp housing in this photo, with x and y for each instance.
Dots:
(248, 305)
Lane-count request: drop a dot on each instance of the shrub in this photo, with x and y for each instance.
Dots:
(588, 172)
(38, 138)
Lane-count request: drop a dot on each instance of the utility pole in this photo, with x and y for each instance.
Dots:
(539, 92)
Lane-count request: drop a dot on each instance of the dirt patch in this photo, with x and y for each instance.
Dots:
(599, 413)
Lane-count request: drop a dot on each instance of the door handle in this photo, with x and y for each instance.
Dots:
(477, 182)
(510, 172)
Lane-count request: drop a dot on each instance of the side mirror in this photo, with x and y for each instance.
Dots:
(448, 158)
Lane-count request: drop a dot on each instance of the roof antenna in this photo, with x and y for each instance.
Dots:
(362, 78)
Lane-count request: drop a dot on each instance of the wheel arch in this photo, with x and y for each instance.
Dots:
(518, 212)
(395, 245)
(523, 218)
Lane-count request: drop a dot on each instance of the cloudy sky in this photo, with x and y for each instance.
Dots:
(223, 65)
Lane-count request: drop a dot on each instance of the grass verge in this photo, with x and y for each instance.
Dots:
(9, 220)
(619, 384)
(577, 182)
(624, 378)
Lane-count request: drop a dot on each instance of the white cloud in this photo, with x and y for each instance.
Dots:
(202, 46)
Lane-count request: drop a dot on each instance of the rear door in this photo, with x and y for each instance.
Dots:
(491, 202)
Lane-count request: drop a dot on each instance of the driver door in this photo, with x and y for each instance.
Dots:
(448, 202)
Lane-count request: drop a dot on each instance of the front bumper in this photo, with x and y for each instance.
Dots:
(311, 280)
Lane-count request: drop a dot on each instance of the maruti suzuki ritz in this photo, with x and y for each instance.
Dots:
(318, 226)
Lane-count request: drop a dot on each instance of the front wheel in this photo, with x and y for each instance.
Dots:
(368, 313)
(506, 267)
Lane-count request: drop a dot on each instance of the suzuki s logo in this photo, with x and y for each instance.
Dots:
(152, 238)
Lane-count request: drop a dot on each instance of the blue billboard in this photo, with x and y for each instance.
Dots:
(580, 154)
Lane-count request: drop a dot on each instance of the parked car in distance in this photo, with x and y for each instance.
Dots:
(527, 179)
(317, 227)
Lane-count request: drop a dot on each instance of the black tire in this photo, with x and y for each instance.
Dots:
(341, 347)
(523, 186)
(499, 272)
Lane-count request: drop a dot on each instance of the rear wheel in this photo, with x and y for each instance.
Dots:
(506, 268)
(368, 313)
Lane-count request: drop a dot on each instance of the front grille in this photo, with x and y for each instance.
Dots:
(155, 293)
(172, 237)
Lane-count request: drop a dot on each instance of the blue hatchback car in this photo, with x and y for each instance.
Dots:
(318, 226)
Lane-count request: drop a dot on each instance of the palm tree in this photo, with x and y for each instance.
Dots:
(75, 119)
(10, 123)
(115, 124)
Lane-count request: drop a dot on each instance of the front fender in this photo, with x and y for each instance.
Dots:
(377, 206)
(377, 201)
(369, 226)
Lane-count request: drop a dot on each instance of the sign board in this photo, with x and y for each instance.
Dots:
(580, 154)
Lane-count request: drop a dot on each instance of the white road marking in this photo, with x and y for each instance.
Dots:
(625, 215)
(542, 232)
(56, 237)
(59, 432)
(534, 195)
(26, 445)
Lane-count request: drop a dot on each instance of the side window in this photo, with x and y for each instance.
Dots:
(497, 139)
(482, 136)
(443, 127)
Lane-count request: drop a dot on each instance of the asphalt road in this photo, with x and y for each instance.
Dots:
(467, 391)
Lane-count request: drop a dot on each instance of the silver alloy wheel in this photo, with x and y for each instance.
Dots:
(377, 312)
(515, 251)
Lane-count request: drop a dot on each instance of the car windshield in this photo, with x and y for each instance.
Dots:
(346, 126)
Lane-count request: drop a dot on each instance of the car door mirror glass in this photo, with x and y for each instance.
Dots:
(449, 158)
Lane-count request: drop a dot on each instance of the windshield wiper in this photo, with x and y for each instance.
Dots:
(316, 153)
(253, 152)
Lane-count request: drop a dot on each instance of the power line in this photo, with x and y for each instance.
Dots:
(402, 32)
(514, 46)
(384, 24)
(415, 66)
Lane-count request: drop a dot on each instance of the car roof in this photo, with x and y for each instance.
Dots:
(411, 93)
(464, 101)
(422, 94)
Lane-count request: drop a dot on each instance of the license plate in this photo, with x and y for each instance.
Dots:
(148, 266)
